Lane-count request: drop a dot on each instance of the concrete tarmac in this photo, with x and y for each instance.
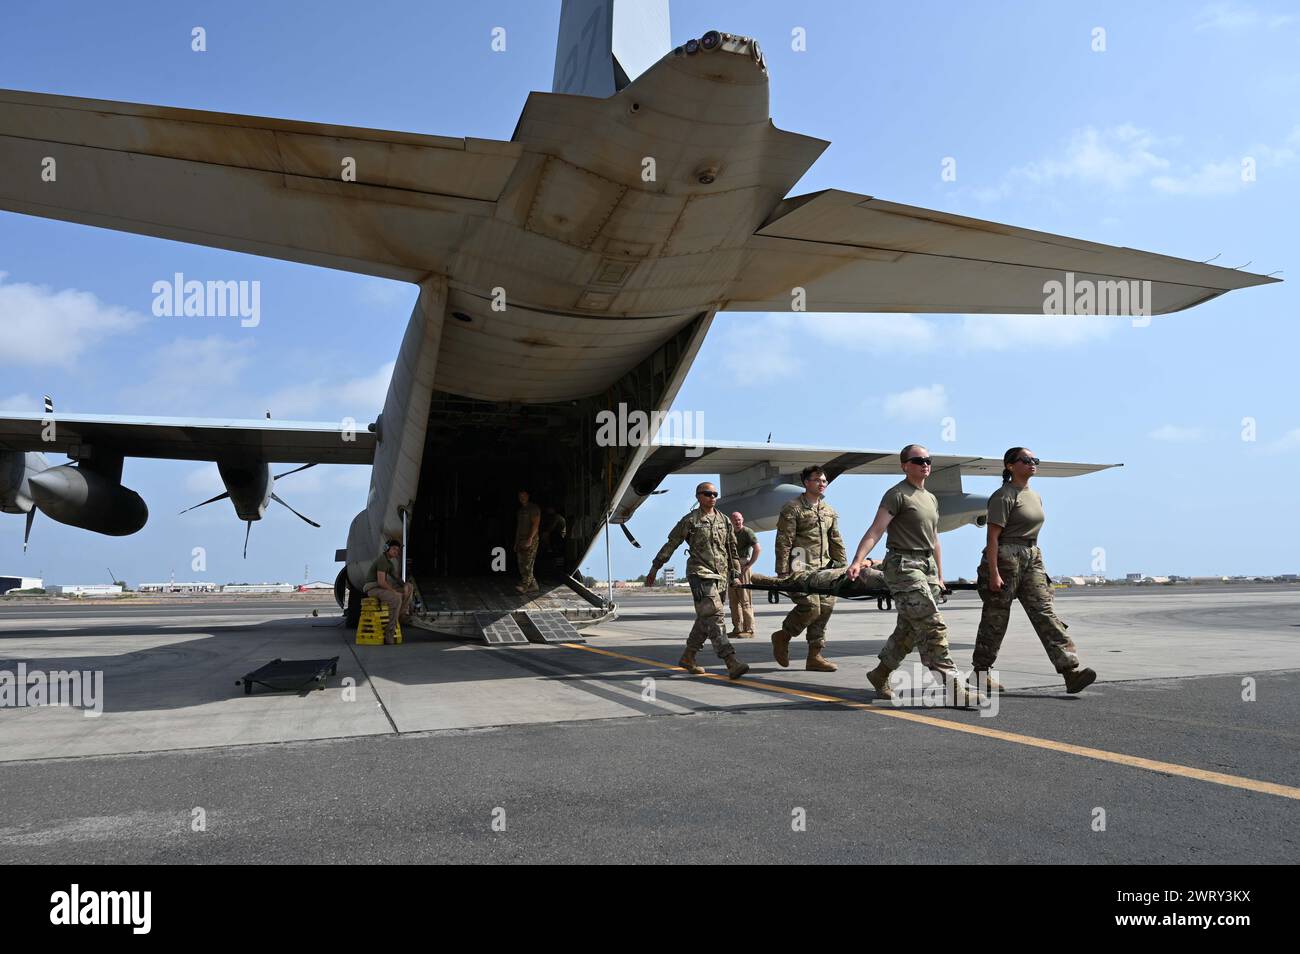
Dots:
(1185, 750)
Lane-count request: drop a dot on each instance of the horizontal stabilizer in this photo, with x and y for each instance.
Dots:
(856, 253)
(382, 203)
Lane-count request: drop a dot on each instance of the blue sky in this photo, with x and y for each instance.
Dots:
(1139, 145)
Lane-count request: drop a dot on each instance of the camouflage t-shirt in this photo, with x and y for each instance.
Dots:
(746, 540)
(1018, 512)
(916, 517)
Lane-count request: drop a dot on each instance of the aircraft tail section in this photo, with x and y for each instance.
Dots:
(605, 44)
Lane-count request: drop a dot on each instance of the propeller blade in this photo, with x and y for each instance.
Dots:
(276, 498)
(27, 533)
(206, 502)
(246, 535)
(294, 471)
(628, 533)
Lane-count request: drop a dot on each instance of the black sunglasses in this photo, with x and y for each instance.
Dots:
(706, 493)
(1028, 460)
(923, 461)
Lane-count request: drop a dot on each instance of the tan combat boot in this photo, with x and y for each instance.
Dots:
(687, 662)
(983, 677)
(735, 668)
(879, 679)
(957, 689)
(817, 662)
(1077, 680)
(781, 647)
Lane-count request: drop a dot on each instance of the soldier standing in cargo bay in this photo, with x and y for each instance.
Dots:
(527, 521)
(809, 531)
(712, 564)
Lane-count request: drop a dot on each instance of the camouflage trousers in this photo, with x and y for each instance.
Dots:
(527, 556)
(812, 611)
(710, 621)
(913, 581)
(1024, 579)
(742, 606)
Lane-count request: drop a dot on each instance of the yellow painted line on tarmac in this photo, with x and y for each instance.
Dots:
(1101, 755)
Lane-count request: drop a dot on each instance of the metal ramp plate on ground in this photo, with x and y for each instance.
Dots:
(548, 626)
(499, 629)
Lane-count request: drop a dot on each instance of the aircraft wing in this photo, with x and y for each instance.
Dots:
(268, 187)
(856, 253)
(186, 438)
(786, 460)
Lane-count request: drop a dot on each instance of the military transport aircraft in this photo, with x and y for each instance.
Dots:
(572, 270)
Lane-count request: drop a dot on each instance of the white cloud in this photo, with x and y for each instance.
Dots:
(762, 350)
(47, 327)
(918, 404)
(1220, 177)
(387, 294)
(22, 404)
(869, 334)
(1226, 176)
(1114, 157)
(192, 373)
(1176, 434)
(1287, 442)
(361, 397)
(1023, 332)
(353, 478)
(1235, 17)
(775, 346)
(204, 482)
(1121, 157)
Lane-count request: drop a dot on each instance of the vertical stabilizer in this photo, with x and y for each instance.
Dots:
(605, 44)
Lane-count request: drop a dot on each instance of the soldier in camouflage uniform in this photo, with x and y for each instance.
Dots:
(913, 571)
(527, 520)
(809, 531)
(711, 566)
(1012, 569)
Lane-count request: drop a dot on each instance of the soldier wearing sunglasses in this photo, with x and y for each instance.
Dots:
(913, 568)
(711, 566)
(1012, 569)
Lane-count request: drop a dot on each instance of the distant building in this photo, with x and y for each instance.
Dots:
(175, 587)
(1134, 578)
(8, 583)
(317, 585)
(85, 589)
(236, 588)
(670, 576)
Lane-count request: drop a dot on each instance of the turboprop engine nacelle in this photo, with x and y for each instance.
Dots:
(957, 510)
(761, 505)
(82, 498)
(15, 470)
